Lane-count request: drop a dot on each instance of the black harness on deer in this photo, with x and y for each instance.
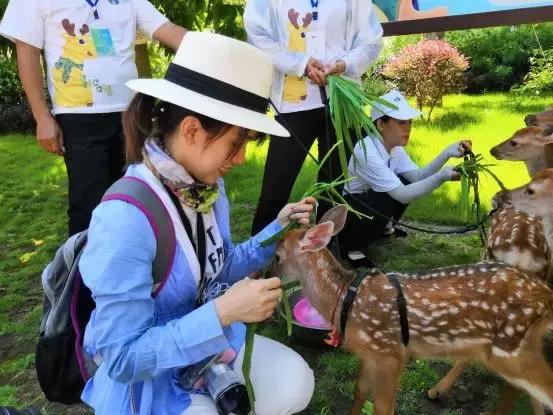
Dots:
(351, 293)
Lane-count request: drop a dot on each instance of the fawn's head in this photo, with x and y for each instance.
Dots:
(536, 197)
(526, 144)
(302, 248)
(541, 118)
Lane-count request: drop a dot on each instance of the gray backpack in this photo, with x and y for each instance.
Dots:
(61, 363)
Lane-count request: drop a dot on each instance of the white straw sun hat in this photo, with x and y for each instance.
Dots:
(221, 78)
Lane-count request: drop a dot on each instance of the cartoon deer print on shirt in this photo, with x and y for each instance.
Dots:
(71, 88)
(295, 88)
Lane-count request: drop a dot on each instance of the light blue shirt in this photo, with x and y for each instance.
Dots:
(144, 341)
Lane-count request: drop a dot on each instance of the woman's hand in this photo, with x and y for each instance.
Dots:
(315, 72)
(300, 212)
(459, 149)
(249, 301)
(449, 173)
(338, 68)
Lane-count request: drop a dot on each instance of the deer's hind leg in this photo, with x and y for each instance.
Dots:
(529, 372)
(445, 384)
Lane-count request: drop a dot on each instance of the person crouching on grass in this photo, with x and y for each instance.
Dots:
(183, 134)
(386, 179)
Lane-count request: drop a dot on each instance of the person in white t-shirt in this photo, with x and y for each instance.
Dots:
(88, 46)
(308, 40)
(385, 178)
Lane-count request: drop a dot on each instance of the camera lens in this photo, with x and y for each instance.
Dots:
(229, 394)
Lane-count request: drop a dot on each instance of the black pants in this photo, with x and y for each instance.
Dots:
(359, 233)
(285, 159)
(94, 157)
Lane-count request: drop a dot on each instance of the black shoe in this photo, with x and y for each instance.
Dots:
(8, 410)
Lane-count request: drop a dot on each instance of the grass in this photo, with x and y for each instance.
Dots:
(33, 205)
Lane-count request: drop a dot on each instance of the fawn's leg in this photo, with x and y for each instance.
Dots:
(445, 384)
(387, 376)
(363, 386)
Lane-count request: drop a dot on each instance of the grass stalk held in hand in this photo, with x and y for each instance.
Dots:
(349, 106)
(470, 170)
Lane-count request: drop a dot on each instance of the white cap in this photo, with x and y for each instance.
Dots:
(404, 111)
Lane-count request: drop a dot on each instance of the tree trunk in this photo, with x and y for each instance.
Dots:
(143, 60)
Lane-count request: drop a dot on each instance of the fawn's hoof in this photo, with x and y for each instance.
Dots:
(434, 393)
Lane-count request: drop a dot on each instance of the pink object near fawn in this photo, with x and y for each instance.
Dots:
(308, 316)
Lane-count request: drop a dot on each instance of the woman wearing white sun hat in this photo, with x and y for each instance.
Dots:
(183, 133)
(386, 179)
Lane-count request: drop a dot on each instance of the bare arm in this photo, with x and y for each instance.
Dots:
(48, 133)
(170, 35)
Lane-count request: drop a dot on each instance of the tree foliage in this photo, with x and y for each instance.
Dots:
(427, 71)
(221, 16)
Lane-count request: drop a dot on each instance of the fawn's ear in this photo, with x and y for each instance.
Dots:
(337, 215)
(317, 237)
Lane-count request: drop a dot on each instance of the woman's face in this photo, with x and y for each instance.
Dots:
(395, 132)
(204, 157)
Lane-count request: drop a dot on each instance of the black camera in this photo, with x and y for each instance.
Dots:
(229, 394)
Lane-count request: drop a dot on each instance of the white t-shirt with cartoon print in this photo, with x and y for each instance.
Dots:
(323, 39)
(88, 59)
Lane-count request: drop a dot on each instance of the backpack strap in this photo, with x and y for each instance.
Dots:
(139, 193)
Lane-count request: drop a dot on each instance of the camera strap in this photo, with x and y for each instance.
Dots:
(199, 244)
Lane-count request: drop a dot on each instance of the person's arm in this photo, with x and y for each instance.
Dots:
(23, 23)
(407, 193)
(257, 22)
(244, 258)
(48, 132)
(170, 35)
(453, 150)
(367, 43)
(156, 26)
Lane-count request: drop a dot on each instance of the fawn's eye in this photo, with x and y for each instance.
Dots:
(277, 258)
(514, 144)
(530, 192)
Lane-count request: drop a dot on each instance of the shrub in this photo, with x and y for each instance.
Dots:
(540, 78)
(15, 113)
(500, 56)
(11, 90)
(427, 71)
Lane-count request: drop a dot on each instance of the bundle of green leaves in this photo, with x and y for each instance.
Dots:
(349, 111)
(470, 170)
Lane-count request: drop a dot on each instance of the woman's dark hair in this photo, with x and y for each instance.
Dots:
(148, 117)
(384, 118)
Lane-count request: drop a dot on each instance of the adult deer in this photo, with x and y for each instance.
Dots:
(490, 313)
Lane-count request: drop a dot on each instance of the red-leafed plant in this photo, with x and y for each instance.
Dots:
(427, 71)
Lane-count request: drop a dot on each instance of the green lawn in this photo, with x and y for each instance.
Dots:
(33, 204)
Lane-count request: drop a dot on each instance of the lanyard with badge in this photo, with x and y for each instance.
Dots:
(314, 35)
(94, 5)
